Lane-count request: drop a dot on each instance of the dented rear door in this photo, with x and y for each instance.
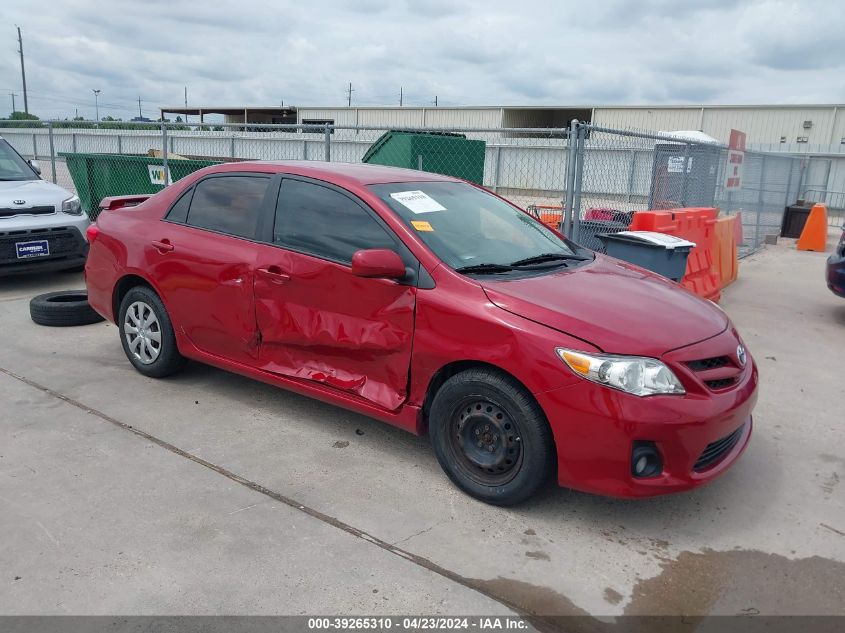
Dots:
(316, 320)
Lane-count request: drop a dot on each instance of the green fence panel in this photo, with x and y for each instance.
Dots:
(99, 175)
(437, 152)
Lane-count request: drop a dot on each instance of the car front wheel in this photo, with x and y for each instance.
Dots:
(491, 437)
(146, 334)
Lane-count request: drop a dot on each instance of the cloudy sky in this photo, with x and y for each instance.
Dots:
(487, 52)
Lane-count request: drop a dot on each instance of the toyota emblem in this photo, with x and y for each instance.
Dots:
(740, 355)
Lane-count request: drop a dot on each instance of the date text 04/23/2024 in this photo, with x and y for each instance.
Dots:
(416, 623)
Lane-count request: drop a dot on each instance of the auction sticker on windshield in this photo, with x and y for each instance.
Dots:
(422, 225)
(417, 201)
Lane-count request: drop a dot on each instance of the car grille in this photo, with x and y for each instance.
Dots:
(716, 372)
(44, 210)
(63, 242)
(720, 383)
(715, 451)
(709, 363)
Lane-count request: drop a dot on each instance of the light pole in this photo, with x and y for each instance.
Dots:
(96, 104)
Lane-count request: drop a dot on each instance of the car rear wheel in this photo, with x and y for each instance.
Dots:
(491, 437)
(146, 334)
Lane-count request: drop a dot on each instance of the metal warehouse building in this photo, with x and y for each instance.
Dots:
(790, 128)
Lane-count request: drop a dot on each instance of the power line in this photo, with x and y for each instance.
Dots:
(46, 96)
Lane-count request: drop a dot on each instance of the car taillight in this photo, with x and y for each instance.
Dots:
(92, 232)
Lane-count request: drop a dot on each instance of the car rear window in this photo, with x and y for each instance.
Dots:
(179, 211)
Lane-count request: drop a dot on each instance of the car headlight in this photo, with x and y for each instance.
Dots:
(632, 374)
(72, 206)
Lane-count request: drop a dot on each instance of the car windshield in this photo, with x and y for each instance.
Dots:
(12, 166)
(474, 231)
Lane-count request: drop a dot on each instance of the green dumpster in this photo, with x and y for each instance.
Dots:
(438, 152)
(99, 175)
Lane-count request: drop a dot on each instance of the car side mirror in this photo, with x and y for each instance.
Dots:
(35, 166)
(381, 263)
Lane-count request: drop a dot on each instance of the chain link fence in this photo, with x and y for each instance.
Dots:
(525, 165)
(623, 171)
(585, 178)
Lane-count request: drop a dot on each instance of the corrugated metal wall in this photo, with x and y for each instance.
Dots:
(650, 119)
(340, 116)
(768, 125)
(407, 117)
(763, 125)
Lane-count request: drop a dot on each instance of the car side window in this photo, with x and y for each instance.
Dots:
(179, 211)
(323, 222)
(228, 204)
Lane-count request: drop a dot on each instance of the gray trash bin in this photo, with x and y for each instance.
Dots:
(664, 254)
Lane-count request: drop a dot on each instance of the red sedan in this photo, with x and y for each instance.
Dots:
(430, 303)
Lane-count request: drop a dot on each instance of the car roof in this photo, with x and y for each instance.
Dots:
(358, 173)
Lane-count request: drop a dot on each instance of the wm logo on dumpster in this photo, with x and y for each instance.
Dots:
(157, 175)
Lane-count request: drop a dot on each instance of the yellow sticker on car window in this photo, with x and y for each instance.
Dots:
(421, 225)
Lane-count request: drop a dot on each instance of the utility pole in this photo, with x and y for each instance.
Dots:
(23, 72)
(435, 101)
(186, 103)
(400, 96)
(96, 104)
(141, 116)
(349, 92)
(13, 101)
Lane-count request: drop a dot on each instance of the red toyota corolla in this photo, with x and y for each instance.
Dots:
(431, 304)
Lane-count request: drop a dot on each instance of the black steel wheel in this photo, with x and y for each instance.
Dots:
(490, 436)
(485, 442)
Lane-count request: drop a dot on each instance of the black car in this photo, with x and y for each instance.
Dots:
(836, 267)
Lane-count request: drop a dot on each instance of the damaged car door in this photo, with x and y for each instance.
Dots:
(202, 256)
(317, 319)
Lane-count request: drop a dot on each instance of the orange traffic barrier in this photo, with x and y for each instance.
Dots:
(814, 235)
(740, 240)
(726, 261)
(696, 225)
(541, 212)
(552, 220)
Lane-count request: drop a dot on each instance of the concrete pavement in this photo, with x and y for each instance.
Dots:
(200, 513)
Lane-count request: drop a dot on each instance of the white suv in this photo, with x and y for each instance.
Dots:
(42, 226)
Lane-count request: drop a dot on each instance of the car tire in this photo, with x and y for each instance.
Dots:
(146, 334)
(63, 309)
(491, 437)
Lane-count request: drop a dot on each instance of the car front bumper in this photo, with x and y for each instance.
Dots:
(595, 428)
(67, 245)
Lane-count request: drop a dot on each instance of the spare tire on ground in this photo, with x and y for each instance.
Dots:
(63, 308)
